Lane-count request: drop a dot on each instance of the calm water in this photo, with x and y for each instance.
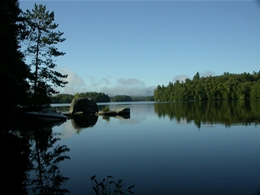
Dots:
(174, 148)
(161, 148)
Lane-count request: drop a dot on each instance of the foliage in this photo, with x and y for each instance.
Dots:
(255, 90)
(13, 71)
(106, 109)
(225, 87)
(142, 98)
(149, 98)
(95, 96)
(121, 98)
(109, 187)
(62, 98)
(40, 38)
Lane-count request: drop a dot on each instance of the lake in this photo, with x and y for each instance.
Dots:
(161, 148)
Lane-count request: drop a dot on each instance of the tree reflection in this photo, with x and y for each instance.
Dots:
(47, 156)
(14, 163)
(224, 112)
(43, 154)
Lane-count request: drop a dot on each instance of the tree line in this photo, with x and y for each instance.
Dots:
(121, 98)
(224, 87)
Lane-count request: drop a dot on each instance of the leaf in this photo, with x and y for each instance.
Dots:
(119, 181)
(120, 192)
(111, 182)
(95, 189)
(118, 185)
(102, 185)
(131, 187)
(93, 177)
(109, 176)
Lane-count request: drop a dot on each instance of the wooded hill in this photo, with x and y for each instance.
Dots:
(225, 87)
(67, 98)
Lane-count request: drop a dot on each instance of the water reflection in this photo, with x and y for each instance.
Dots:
(14, 163)
(79, 122)
(224, 112)
(154, 151)
(31, 154)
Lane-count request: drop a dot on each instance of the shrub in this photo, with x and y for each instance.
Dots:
(106, 109)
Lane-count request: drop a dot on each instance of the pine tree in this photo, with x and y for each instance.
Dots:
(40, 38)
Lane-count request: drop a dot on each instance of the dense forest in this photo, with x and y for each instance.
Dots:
(121, 98)
(62, 98)
(142, 98)
(225, 87)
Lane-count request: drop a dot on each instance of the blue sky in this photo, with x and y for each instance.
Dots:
(130, 47)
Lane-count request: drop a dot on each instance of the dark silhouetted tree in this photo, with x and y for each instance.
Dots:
(13, 71)
(40, 38)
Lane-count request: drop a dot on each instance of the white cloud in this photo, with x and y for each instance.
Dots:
(131, 82)
(180, 78)
(95, 84)
(75, 83)
(183, 77)
(208, 73)
(131, 87)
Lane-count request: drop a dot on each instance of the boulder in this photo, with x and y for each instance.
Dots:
(83, 105)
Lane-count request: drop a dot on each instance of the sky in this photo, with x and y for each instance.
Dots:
(131, 47)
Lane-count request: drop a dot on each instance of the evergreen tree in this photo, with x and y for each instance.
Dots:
(13, 70)
(40, 39)
(224, 87)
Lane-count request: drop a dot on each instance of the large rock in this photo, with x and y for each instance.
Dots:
(83, 105)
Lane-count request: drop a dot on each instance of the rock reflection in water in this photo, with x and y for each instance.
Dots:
(79, 121)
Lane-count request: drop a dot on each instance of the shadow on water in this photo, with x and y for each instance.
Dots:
(30, 157)
(212, 112)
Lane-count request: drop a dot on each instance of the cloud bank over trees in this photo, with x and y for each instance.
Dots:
(183, 77)
(122, 86)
